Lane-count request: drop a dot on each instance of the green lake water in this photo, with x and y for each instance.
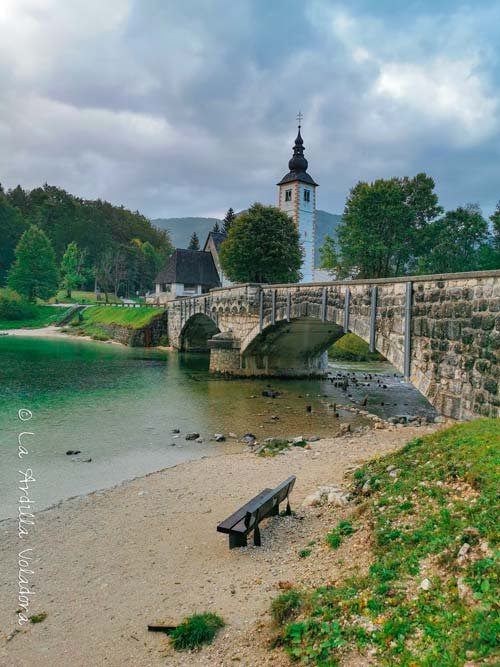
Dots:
(119, 406)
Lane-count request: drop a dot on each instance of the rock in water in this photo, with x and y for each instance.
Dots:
(73, 452)
(192, 436)
(219, 437)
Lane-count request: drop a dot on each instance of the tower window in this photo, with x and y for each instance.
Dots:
(288, 195)
(307, 195)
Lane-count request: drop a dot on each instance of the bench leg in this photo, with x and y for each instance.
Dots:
(256, 536)
(237, 540)
(288, 508)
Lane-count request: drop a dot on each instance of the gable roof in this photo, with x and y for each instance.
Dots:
(218, 238)
(194, 267)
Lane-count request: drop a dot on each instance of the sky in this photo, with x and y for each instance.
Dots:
(187, 108)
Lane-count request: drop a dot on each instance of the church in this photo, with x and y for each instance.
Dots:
(193, 272)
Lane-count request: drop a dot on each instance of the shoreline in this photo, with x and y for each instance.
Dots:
(147, 550)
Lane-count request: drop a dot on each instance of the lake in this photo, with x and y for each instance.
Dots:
(119, 407)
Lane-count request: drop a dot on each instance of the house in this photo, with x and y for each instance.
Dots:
(186, 273)
(212, 245)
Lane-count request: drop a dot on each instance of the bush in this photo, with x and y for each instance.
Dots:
(14, 307)
(196, 630)
(163, 340)
(352, 348)
(286, 605)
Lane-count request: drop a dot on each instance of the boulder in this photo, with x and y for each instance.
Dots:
(192, 436)
(219, 437)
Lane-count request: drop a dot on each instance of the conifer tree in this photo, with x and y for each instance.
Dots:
(34, 272)
(194, 243)
(228, 220)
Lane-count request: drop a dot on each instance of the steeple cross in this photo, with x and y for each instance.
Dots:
(299, 118)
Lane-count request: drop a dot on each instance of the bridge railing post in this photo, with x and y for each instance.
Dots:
(289, 306)
(407, 332)
(347, 301)
(261, 309)
(273, 306)
(324, 299)
(373, 318)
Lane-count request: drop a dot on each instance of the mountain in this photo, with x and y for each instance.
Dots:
(181, 228)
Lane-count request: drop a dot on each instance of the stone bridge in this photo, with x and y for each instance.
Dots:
(442, 332)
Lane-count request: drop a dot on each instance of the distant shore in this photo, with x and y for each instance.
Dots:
(107, 564)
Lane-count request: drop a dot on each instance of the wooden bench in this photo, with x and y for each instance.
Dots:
(248, 517)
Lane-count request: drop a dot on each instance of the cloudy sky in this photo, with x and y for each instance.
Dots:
(188, 107)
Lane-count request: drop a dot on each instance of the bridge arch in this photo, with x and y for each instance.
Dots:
(196, 333)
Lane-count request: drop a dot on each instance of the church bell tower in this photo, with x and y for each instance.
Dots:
(297, 197)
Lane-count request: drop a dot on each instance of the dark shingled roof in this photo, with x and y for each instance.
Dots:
(292, 176)
(193, 267)
(218, 238)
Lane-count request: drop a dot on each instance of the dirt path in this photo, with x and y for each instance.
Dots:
(107, 564)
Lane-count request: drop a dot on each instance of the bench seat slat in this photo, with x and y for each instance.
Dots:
(229, 524)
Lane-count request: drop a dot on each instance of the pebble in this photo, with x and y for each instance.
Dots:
(425, 585)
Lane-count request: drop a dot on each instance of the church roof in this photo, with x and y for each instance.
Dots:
(194, 267)
(298, 164)
(218, 238)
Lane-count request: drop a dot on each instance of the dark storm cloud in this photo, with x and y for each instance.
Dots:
(188, 108)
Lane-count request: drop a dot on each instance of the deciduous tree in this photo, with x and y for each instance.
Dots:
(262, 246)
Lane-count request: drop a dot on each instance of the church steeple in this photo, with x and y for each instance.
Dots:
(297, 198)
(298, 163)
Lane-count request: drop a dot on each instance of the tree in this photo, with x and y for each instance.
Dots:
(11, 228)
(329, 259)
(454, 241)
(216, 227)
(34, 273)
(194, 243)
(495, 220)
(262, 246)
(380, 232)
(71, 269)
(228, 220)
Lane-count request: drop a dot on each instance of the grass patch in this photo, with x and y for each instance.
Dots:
(82, 297)
(38, 618)
(42, 316)
(286, 605)
(336, 536)
(352, 348)
(273, 447)
(94, 320)
(445, 496)
(304, 553)
(195, 631)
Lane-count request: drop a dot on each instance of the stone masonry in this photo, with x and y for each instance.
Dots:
(442, 332)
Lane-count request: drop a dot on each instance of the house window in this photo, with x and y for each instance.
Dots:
(307, 195)
(190, 288)
(288, 195)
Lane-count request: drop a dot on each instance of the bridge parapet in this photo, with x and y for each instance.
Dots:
(442, 332)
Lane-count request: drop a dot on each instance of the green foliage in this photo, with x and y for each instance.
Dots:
(336, 536)
(273, 447)
(352, 348)
(216, 228)
(454, 241)
(228, 220)
(304, 553)
(444, 495)
(195, 631)
(379, 233)
(133, 318)
(262, 246)
(95, 226)
(38, 618)
(14, 307)
(72, 268)
(329, 259)
(12, 226)
(34, 273)
(286, 605)
(194, 243)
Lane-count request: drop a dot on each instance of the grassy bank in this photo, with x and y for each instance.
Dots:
(429, 595)
(42, 316)
(352, 348)
(94, 320)
(82, 297)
